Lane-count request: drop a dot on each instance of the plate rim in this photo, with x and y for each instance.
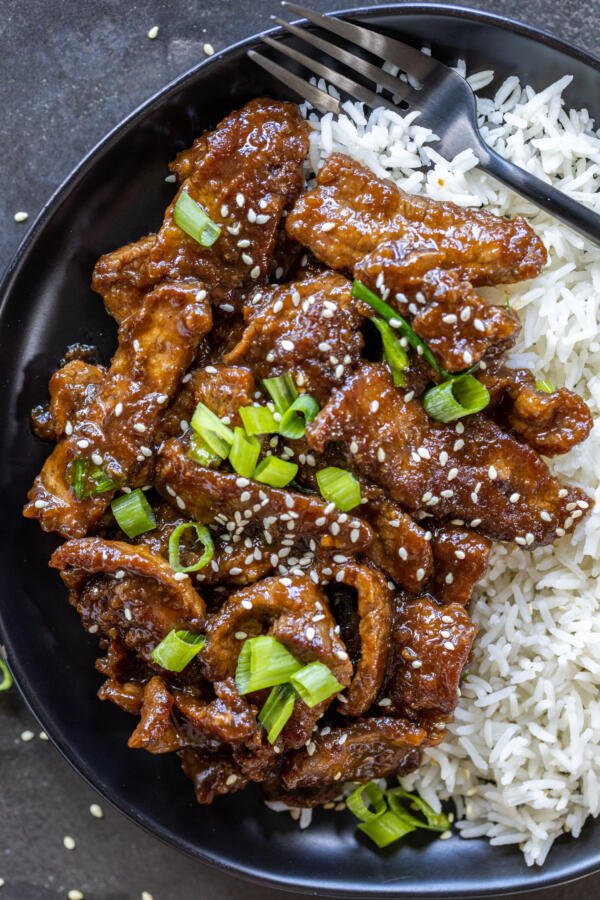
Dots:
(536, 877)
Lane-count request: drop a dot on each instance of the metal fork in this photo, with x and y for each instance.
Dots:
(443, 98)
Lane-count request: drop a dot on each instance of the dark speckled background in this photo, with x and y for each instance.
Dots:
(69, 71)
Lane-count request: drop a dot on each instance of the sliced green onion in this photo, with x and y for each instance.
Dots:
(394, 353)
(258, 420)
(386, 312)
(7, 679)
(244, 453)
(275, 472)
(315, 682)
(282, 391)
(297, 416)
(88, 480)
(340, 487)
(203, 535)
(178, 649)
(544, 386)
(193, 219)
(264, 662)
(277, 710)
(455, 398)
(202, 454)
(133, 513)
(215, 434)
(434, 821)
(375, 797)
(386, 828)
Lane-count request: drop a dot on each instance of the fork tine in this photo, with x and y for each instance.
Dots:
(357, 63)
(411, 61)
(314, 95)
(331, 76)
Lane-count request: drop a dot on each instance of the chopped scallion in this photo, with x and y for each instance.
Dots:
(315, 682)
(88, 480)
(264, 662)
(177, 650)
(393, 353)
(244, 453)
(282, 391)
(544, 386)
(258, 420)
(7, 680)
(133, 513)
(455, 398)
(192, 218)
(340, 487)
(434, 821)
(277, 710)
(202, 535)
(385, 819)
(386, 828)
(375, 797)
(386, 312)
(275, 472)
(297, 416)
(202, 454)
(216, 435)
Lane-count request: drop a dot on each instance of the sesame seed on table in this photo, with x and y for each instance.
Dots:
(72, 83)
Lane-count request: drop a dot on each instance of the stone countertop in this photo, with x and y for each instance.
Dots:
(63, 71)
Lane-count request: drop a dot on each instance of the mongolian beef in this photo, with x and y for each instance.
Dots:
(280, 493)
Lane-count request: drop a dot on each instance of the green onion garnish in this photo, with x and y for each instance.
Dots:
(258, 420)
(393, 353)
(202, 454)
(178, 649)
(193, 219)
(390, 315)
(435, 821)
(386, 828)
(88, 480)
(282, 391)
(277, 710)
(340, 487)
(264, 662)
(544, 386)
(297, 416)
(244, 453)
(375, 797)
(133, 513)
(315, 682)
(275, 472)
(203, 535)
(216, 435)
(7, 679)
(455, 398)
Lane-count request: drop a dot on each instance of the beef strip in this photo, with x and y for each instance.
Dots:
(460, 561)
(551, 423)
(206, 493)
(156, 347)
(228, 718)
(122, 277)
(128, 592)
(361, 750)
(310, 329)
(473, 470)
(128, 695)
(430, 646)
(71, 388)
(156, 731)
(213, 774)
(366, 211)
(400, 547)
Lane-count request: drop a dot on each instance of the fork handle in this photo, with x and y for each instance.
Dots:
(553, 201)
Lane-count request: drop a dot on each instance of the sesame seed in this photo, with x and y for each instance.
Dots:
(420, 574)
(27, 736)
(146, 895)
(423, 453)
(374, 406)
(255, 272)
(353, 447)
(208, 49)
(493, 474)
(324, 347)
(447, 493)
(262, 219)
(465, 314)
(468, 357)
(96, 811)
(139, 427)
(334, 528)
(449, 578)
(231, 779)
(452, 474)
(478, 324)
(180, 503)
(180, 576)
(339, 371)
(474, 497)
(68, 428)
(310, 633)
(240, 200)
(277, 306)
(251, 216)
(545, 516)
(327, 226)
(460, 554)
(458, 445)
(287, 345)
(247, 259)
(520, 540)
(146, 451)
(475, 523)
(83, 444)
(445, 835)
(40, 504)
(448, 645)
(68, 842)
(136, 345)
(75, 895)
(403, 553)
(385, 701)
(247, 604)
(380, 454)
(153, 32)
(21, 216)
(449, 319)
(514, 497)
(416, 664)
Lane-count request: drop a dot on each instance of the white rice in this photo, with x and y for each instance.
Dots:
(522, 759)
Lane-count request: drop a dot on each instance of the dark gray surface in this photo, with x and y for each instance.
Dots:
(69, 71)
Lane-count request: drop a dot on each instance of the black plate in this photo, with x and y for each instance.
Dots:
(117, 194)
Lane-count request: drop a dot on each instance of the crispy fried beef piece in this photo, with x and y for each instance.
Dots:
(460, 561)
(156, 346)
(309, 328)
(430, 646)
(367, 211)
(128, 695)
(400, 547)
(71, 388)
(228, 718)
(207, 493)
(128, 592)
(551, 423)
(374, 609)
(156, 732)
(474, 470)
(361, 750)
(212, 774)
(122, 277)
